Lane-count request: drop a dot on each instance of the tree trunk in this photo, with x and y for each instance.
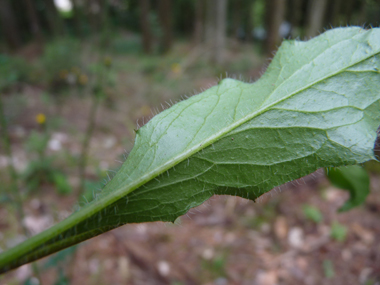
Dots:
(209, 32)
(198, 22)
(296, 13)
(362, 13)
(247, 19)
(95, 9)
(334, 13)
(9, 25)
(349, 9)
(275, 13)
(315, 17)
(33, 19)
(236, 17)
(164, 7)
(220, 31)
(78, 18)
(54, 19)
(145, 26)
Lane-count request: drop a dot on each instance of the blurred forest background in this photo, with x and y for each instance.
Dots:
(76, 79)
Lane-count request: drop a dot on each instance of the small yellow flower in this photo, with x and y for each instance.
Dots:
(41, 119)
(176, 68)
(75, 70)
(63, 74)
(83, 79)
(107, 61)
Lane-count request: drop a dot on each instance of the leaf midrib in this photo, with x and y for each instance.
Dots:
(121, 192)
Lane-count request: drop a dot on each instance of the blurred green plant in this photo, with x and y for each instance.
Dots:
(328, 268)
(265, 215)
(353, 179)
(258, 11)
(61, 65)
(125, 45)
(11, 193)
(215, 267)
(14, 193)
(312, 213)
(371, 281)
(372, 166)
(13, 70)
(61, 54)
(37, 142)
(177, 283)
(41, 170)
(98, 95)
(59, 258)
(338, 232)
(62, 279)
(91, 189)
(31, 281)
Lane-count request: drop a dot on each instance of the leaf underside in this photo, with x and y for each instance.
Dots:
(316, 106)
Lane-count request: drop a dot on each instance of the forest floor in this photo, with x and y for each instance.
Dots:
(292, 235)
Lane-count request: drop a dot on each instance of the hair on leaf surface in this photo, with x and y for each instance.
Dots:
(201, 160)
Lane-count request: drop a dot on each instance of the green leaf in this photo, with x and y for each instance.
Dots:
(60, 181)
(312, 213)
(328, 268)
(338, 232)
(316, 106)
(352, 178)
